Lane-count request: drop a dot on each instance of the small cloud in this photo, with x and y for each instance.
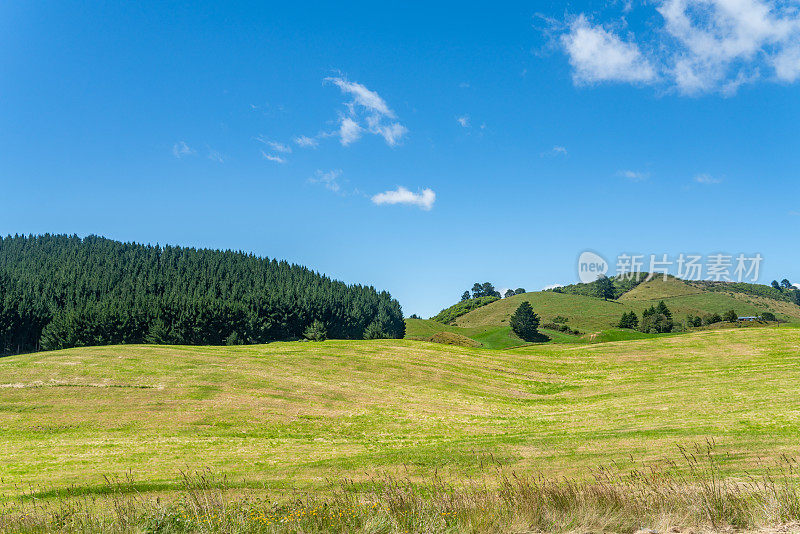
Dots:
(181, 149)
(464, 85)
(274, 145)
(305, 141)
(424, 200)
(349, 131)
(707, 179)
(634, 176)
(273, 157)
(327, 178)
(463, 121)
(796, 285)
(215, 155)
(555, 151)
(552, 286)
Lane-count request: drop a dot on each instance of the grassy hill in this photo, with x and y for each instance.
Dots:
(597, 317)
(294, 414)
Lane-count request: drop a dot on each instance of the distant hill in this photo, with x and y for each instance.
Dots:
(59, 291)
(596, 317)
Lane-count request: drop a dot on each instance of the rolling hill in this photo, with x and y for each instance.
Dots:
(596, 317)
(295, 415)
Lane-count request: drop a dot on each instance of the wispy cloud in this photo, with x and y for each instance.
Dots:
(305, 141)
(463, 121)
(273, 157)
(215, 155)
(366, 112)
(424, 199)
(181, 149)
(330, 179)
(634, 176)
(275, 146)
(369, 100)
(707, 179)
(695, 46)
(555, 151)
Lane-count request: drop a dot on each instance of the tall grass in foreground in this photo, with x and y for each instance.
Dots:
(664, 497)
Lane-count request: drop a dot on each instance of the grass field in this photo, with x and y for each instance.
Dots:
(295, 414)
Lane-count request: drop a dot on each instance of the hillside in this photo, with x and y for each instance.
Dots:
(293, 415)
(60, 291)
(596, 317)
(593, 314)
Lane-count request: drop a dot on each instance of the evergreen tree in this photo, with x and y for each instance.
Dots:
(524, 322)
(465, 296)
(509, 293)
(662, 308)
(730, 316)
(519, 291)
(605, 287)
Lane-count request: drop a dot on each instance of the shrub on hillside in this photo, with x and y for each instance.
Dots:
(711, 318)
(768, 316)
(730, 316)
(694, 321)
(524, 322)
(560, 327)
(448, 315)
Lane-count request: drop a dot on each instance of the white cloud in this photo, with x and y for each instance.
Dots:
(463, 121)
(391, 133)
(272, 157)
(597, 55)
(181, 149)
(634, 176)
(697, 46)
(274, 145)
(707, 179)
(369, 100)
(367, 111)
(306, 142)
(349, 131)
(215, 155)
(327, 178)
(796, 285)
(401, 195)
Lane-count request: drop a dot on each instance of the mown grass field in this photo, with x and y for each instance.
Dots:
(297, 415)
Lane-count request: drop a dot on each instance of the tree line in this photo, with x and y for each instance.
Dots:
(59, 291)
(487, 289)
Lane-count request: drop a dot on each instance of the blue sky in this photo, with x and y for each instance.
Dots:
(415, 147)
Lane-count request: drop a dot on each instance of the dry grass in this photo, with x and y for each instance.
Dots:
(688, 496)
